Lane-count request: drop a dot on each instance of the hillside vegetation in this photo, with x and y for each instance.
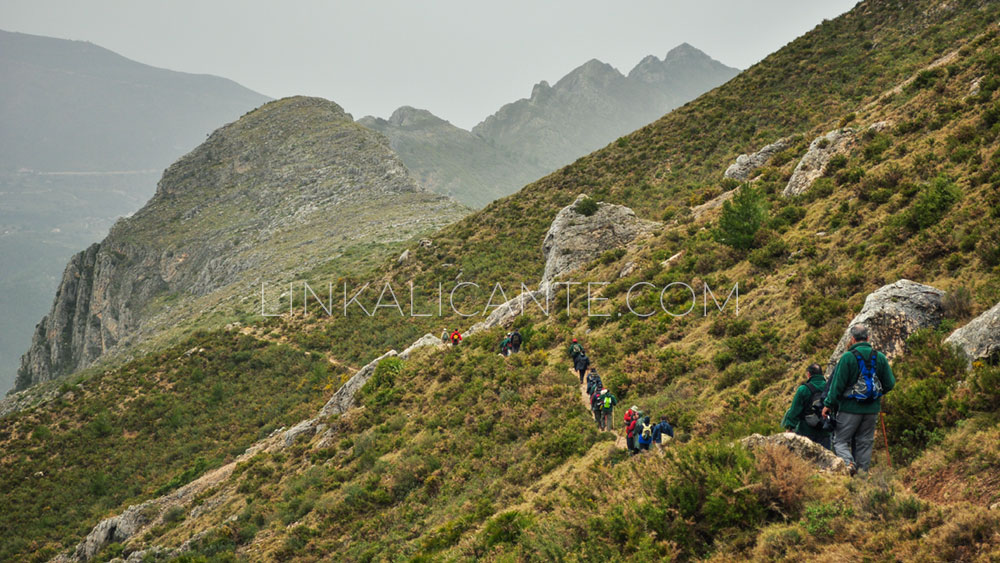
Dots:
(462, 454)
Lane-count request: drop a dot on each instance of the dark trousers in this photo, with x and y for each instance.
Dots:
(630, 443)
(515, 347)
(597, 417)
(583, 372)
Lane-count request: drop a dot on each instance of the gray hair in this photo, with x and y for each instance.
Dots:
(859, 332)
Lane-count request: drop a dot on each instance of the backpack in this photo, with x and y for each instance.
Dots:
(515, 339)
(812, 414)
(607, 401)
(868, 386)
(647, 431)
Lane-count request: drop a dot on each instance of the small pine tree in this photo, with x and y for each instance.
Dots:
(741, 218)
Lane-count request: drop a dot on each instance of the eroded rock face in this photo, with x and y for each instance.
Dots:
(575, 239)
(892, 313)
(343, 399)
(980, 338)
(818, 456)
(747, 164)
(813, 164)
(116, 529)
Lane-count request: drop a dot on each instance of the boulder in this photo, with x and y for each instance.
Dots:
(746, 164)
(813, 164)
(575, 239)
(813, 453)
(980, 338)
(892, 313)
(343, 399)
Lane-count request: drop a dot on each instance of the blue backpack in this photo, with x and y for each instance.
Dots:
(868, 386)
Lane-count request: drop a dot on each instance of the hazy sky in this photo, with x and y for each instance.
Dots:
(461, 59)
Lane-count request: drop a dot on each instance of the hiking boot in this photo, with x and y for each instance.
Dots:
(852, 469)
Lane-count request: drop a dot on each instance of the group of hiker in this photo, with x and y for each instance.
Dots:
(640, 432)
(511, 344)
(841, 413)
(454, 337)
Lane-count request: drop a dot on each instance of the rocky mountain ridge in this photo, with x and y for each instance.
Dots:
(586, 109)
(296, 173)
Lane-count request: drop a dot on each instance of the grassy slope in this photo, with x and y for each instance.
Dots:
(408, 476)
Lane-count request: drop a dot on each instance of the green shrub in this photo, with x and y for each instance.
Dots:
(586, 207)
(741, 218)
(934, 201)
(505, 527)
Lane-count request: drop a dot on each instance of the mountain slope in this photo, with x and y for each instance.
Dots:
(523, 140)
(462, 454)
(84, 135)
(294, 174)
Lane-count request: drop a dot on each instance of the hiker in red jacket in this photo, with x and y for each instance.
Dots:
(456, 337)
(630, 431)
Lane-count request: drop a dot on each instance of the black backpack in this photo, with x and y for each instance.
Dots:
(812, 415)
(515, 338)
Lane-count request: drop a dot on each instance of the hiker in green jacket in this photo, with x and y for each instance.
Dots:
(607, 402)
(575, 349)
(858, 382)
(803, 417)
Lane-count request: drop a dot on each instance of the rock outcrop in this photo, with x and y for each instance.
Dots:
(251, 204)
(980, 338)
(574, 239)
(818, 456)
(343, 399)
(747, 164)
(892, 313)
(506, 313)
(813, 163)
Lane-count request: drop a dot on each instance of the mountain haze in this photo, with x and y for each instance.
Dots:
(524, 140)
(84, 135)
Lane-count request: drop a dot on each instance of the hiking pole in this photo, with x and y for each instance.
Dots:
(881, 416)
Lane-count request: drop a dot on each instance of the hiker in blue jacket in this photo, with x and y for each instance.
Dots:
(661, 428)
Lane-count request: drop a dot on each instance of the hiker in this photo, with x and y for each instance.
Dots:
(643, 435)
(575, 349)
(593, 381)
(581, 362)
(515, 341)
(631, 419)
(662, 427)
(444, 336)
(456, 337)
(595, 405)
(505, 346)
(804, 416)
(608, 402)
(856, 387)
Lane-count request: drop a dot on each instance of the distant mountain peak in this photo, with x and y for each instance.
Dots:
(408, 116)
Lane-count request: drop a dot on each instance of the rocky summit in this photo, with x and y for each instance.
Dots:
(297, 174)
(524, 140)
